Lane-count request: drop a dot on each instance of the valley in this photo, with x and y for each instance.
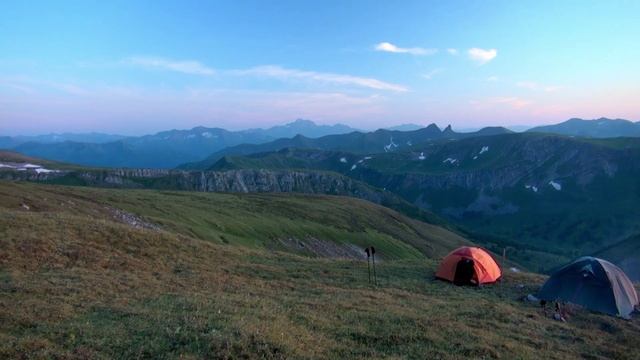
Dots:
(542, 198)
(548, 198)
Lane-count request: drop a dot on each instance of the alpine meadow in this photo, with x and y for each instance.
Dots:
(319, 180)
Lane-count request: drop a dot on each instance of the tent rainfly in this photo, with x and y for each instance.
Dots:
(593, 283)
(469, 266)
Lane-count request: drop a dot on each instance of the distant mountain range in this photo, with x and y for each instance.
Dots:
(598, 128)
(165, 149)
(379, 141)
(201, 147)
(7, 142)
(405, 127)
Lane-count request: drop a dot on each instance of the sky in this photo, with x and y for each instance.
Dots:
(137, 67)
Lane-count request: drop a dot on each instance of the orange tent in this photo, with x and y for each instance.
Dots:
(469, 266)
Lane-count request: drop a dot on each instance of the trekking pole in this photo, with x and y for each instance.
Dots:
(373, 256)
(368, 266)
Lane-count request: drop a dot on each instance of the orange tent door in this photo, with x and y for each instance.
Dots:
(485, 267)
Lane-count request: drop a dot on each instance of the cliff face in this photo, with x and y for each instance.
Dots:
(313, 182)
(245, 181)
(279, 181)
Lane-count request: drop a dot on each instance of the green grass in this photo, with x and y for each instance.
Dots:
(270, 221)
(76, 284)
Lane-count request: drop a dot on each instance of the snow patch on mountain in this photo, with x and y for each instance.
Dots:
(343, 160)
(391, 145)
(27, 167)
(555, 185)
(422, 157)
(207, 135)
(452, 161)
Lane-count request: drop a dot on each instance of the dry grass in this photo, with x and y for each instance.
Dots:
(76, 285)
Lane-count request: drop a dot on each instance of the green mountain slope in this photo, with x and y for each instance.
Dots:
(379, 141)
(546, 193)
(77, 282)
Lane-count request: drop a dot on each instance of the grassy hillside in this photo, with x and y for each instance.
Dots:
(307, 224)
(77, 282)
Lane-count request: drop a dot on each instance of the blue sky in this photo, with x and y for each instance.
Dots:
(135, 67)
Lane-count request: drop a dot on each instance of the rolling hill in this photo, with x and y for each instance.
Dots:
(99, 273)
(17, 167)
(597, 128)
(316, 225)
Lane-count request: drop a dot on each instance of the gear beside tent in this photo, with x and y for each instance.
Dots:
(469, 266)
(593, 283)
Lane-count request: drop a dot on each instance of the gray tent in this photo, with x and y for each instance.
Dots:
(593, 283)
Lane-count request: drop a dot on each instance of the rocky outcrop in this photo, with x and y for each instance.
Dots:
(245, 181)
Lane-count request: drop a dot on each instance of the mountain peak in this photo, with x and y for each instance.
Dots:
(406, 127)
(299, 122)
(432, 126)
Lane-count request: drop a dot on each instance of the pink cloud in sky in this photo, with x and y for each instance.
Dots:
(133, 110)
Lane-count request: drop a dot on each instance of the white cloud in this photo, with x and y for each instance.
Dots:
(452, 51)
(531, 85)
(184, 66)
(493, 79)
(514, 102)
(339, 79)
(149, 109)
(432, 73)
(482, 56)
(197, 68)
(389, 47)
